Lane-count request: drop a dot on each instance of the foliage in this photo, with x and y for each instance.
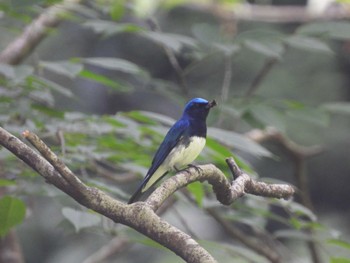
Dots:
(125, 142)
(12, 213)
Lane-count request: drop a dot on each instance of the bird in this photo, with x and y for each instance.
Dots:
(181, 145)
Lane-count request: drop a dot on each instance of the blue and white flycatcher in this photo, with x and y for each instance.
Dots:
(181, 145)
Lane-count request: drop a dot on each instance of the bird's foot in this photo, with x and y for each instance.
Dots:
(198, 169)
(177, 169)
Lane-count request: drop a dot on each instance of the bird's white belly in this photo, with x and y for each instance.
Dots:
(182, 156)
(178, 157)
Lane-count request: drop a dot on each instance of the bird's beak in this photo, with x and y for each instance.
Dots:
(211, 104)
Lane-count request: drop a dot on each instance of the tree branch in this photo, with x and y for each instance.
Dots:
(226, 192)
(113, 247)
(141, 216)
(138, 215)
(276, 14)
(17, 50)
(298, 155)
(269, 63)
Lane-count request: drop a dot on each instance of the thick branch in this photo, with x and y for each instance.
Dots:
(138, 215)
(17, 50)
(226, 192)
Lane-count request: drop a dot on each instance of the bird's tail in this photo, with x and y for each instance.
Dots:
(136, 195)
(146, 184)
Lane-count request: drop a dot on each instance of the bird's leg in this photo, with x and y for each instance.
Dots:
(198, 169)
(177, 169)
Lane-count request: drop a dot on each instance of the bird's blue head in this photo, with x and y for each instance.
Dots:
(198, 108)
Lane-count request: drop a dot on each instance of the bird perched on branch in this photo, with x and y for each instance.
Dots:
(181, 145)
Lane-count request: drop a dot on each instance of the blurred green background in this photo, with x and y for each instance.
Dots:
(95, 79)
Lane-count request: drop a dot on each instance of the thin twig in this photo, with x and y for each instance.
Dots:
(67, 174)
(120, 178)
(184, 223)
(60, 136)
(171, 57)
(272, 134)
(226, 84)
(254, 244)
(270, 62)
(227, 77)
(115, 246)
(235, 171)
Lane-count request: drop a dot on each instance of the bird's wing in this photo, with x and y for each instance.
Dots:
(170, 141)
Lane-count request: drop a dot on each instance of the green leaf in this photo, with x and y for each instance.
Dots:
(80, 219)
(48, 111)
(296, 105)
(6, 182)
(293, 234)
(308, 43)
(207, 33)
(109, 28)
(40, 82)
(235, 140)
(159, 118)
(64, 68)
(337, 30)
(114, 64)
(197, 190)
(218, 148)
(339, 260)
(7, 71)
(339, 243)
(87, 74)
(140, 117)
(269, 116)
(21, 72)
(337, 107)
(117, 10)
(17, 74)
(314, 116)
(268, 49)
(220, 153)
(244, 165)
(12, 211)
(299, 209)
(172, 41)
(112, 121)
